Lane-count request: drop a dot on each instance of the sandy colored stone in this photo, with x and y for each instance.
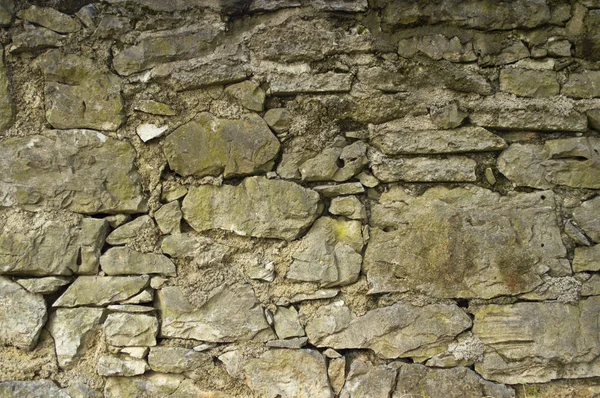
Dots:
(249, 95)
(123, 329)
(129, 231)
(586, 259)
(50, 18)
(366, 379)
(257, 207)
(175, 359)
(31, 389)
(287, 323)
(168, 217)
(529, 82)
(587, 217)
(22, 315)
(464, 243)
(101, 290)
(52, 170)
(113, 365)
(47, 285)
(421, 169)
(123, 261)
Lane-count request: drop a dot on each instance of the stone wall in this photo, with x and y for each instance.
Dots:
(300, 198)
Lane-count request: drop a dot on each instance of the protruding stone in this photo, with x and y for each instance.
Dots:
(294, 343)
(448, 117)
(231, 313)
(176, 359)
(287, 323)
(155, 108)
(101, 290)
(257, 207)
(459, 382)
(124, 261)
(348, 206)
(71, 329)
(336, 371)
(529, 82)
(50, 18)
(587, 217)
(366, 379)
(154, 384)
(421, 169)
(22, 315)
(32, 389)
(262, 272)
(112, 365)
(569, 161)
(149, 131)
(80, 95)
(47, 285)
(330, 191)
(586, 259)
(391, 332)
(329, 82)
(43, 243)
(168, 218)
(131, 230)
(329, 254)
(211, 146)
(34, 40)
(249, 95)
(279, 119)
(504, 247)
(582, 85)
(321, 294)
(123, 329)
(6, 102)
(54, 170)
(531, 342)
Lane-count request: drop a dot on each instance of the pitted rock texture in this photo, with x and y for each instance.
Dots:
(299, 198)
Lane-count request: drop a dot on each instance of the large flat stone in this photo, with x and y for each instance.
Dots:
(257, 207)
(78, 170)
(22, 315)
(330, 82)
(211, 146)
(31, 389)
(126, 261)
(463, 243)
(539, 342)
(231, 313)
(458, 382)
(122, 329)
(393, 138)
(366, 379)
(505, 113)
(152, 385)
(80, 95)
(422, 169)
(71, 329)
(391, 332)
(101, 290)
(572, 162)
(201, 72)
(47, 243)
(529, 82)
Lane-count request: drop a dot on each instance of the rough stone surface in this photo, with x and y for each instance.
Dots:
(31, 389)
(502, 248)
(391, 332)
(231, 313)
(421, 169)
(329, 254)
(175, 359)
(51, 170)
(124, 261)
(538, 342)
(50, 18)
(529, 82)
(307, 83)
(130, 330)
(127, 232)
(211, 146)
(79, 95)
(588, 218)
(348, 206)
(71, 329)
(6, 101)
(586, 259)
(569, 161)
(366, 379)
(101, 290)
(112, 365)
(41, 244)
(22, 315)
(257, 207)
(47, 285)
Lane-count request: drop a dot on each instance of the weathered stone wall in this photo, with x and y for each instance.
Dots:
(300, 198)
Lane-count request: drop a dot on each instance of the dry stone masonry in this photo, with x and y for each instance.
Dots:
(299, 198)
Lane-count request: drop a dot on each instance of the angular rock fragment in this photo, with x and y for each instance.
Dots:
(591, 287)
(336, 371)
(155, 108)
(529, 82)
(582, 85)
(287, 323)
(321, 294)
(459, 382)
(157, 49)
(464, 243)
(124, 261)
(249, 95)
(279, 119)
(339, 5)
(168, 218)
(586, 259)
(448, 117)
(499, 112)
(101, 290)
(329, 82)
(47, 285)
(152, 385)
(43, 243)
(391, 332)
(393, 139)
(176, 359)
(80, 95)
(71, 329)
(6, 101)
(588, 218)
(288, 373)
(329, 254)
(366, 379)
(257, 207)
(421, 169)
(335, 163)
(211, 146)
(201, 72)
(31, 389)
(537, 342)
(50, 18)
(123, 329)
(112, 365)
(293, 343)
(149, 131)
(350, 188)
(35, 39)
(22, 315)
(348, 206)
(572, 162)
(438, 47)
(130, 230)
(54, 170)
(231, 313)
